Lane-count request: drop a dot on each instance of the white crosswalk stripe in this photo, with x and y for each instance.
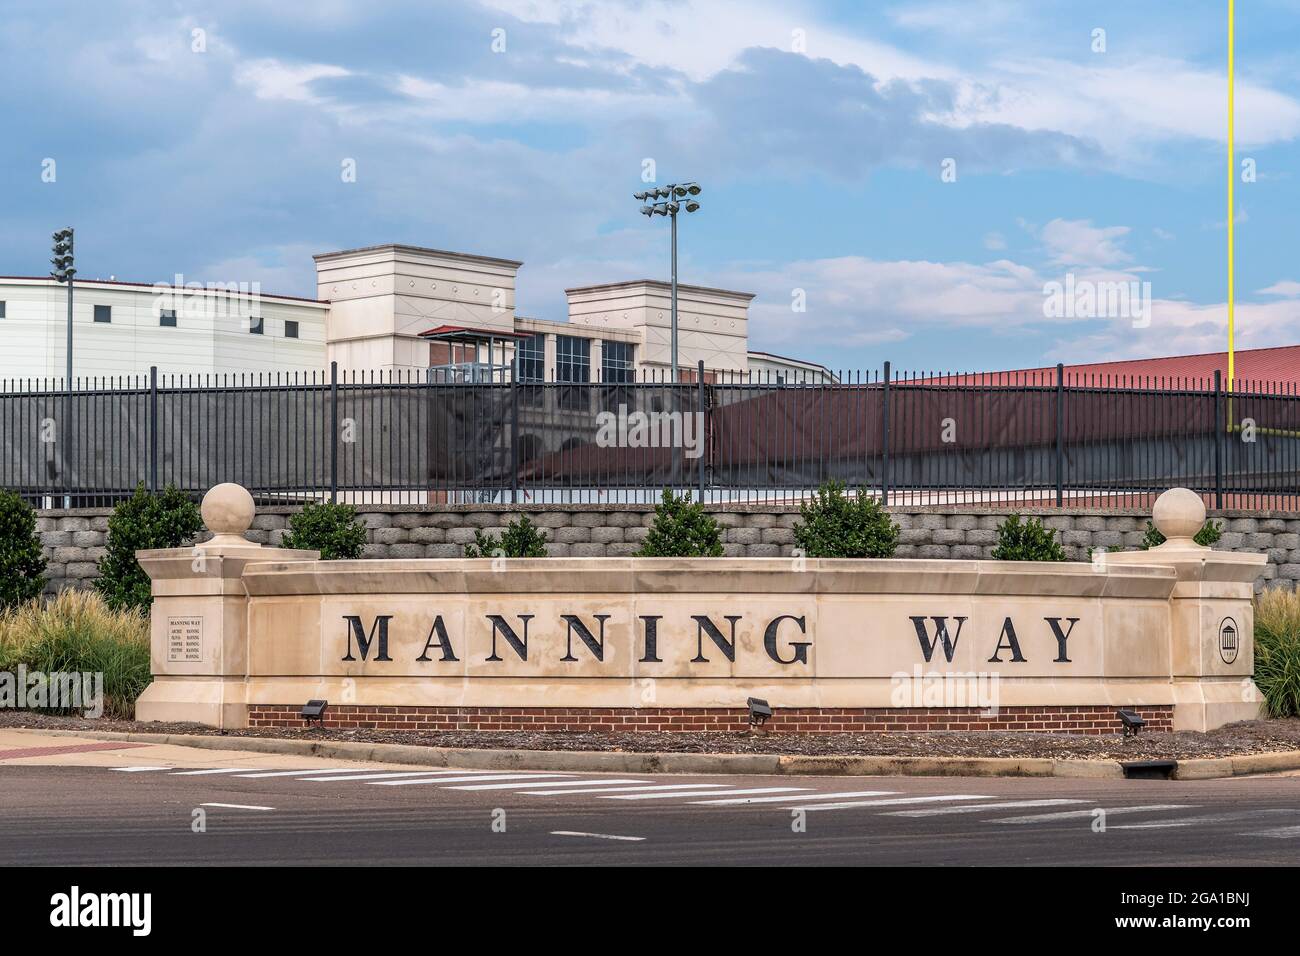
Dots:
(1279, 833)
(892, 802)
(637, 789)
(203, 773)
(303, 773)
(699, 793)
(980, 808)
(552, 783)
(388, 775)
(785, 799)
(445, 780)
(137, 769)
(1109, 811)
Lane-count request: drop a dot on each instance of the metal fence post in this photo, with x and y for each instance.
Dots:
(334, 432)
(884, 441)
(699, 460)
(514, 432)
(1218, 439)
(153, 429)
(1060, 434)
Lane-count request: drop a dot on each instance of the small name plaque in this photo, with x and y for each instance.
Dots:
(184, 639)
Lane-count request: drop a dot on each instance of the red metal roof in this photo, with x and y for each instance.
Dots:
(1280, 366)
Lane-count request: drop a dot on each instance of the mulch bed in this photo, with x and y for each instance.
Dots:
(1247, 737)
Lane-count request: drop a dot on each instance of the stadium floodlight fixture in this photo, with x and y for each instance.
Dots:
(666, 201)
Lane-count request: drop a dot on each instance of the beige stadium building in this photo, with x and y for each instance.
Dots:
(390, 309)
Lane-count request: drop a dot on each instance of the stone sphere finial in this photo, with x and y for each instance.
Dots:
(1179, 514)
(228, 509)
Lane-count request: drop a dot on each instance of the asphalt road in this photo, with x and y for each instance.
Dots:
(107, 815)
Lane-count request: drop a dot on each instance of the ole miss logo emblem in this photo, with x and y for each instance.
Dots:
(1228, 640)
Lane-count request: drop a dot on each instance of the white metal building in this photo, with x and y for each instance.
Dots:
(390, 308)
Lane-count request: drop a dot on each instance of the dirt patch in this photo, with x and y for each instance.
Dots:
(1247, 737)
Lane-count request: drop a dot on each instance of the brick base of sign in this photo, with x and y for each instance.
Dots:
(1099, 719)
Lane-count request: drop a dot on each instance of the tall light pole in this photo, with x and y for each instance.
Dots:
(63, 271)
(669, 201)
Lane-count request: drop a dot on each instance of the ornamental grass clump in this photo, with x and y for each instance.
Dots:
(77, 632)
(1277, 651)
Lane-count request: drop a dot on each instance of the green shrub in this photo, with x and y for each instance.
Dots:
(837, 526)
(145, 520)
(520, 539)
(1026, 541)
(681, 529)
(1277, 651)
(22, 566)
(334, 530)
(1210, 532)
(77, 631)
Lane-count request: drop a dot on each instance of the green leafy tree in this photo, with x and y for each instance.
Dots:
(520, 539)
(22, 565)
(333, 529)
(1210, 532)
(1027, 541)
(835, 525)
(143, 521)
(681, 529)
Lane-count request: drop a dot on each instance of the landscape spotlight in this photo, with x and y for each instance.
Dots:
(759, 711)
(314, 710)
(1132, 722)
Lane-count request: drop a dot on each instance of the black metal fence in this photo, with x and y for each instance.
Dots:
(1029, 438)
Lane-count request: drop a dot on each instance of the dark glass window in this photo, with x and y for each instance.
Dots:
(167, 318)
(572, 359)
(103, 313)
(290, 329)
(616, 362)
(255, 324)
(531, 359)
(2, 309)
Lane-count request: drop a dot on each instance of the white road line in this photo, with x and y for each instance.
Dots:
(702, 793)
(303, 773)
(139, 769)
(204, 773)
(1110, 812)
(389, 775)
(235, 806)
(598, 836)
(500, 776)
(553, 783)
(980, 807)
(1281, 833)
(894, 802)
(821, 796)
(639, 789)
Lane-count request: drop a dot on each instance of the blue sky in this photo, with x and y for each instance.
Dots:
(818, 131)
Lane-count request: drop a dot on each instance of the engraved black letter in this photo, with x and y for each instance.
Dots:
(363, 641)
(597, 647)
(443, 644)
(520, 646)
(800, 647)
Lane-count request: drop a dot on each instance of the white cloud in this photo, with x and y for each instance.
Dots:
(272, 79)
(1077, 242)
(701, 37)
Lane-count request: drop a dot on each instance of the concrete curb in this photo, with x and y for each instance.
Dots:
(1207, 768)
(1212, 767)
(623, 762)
